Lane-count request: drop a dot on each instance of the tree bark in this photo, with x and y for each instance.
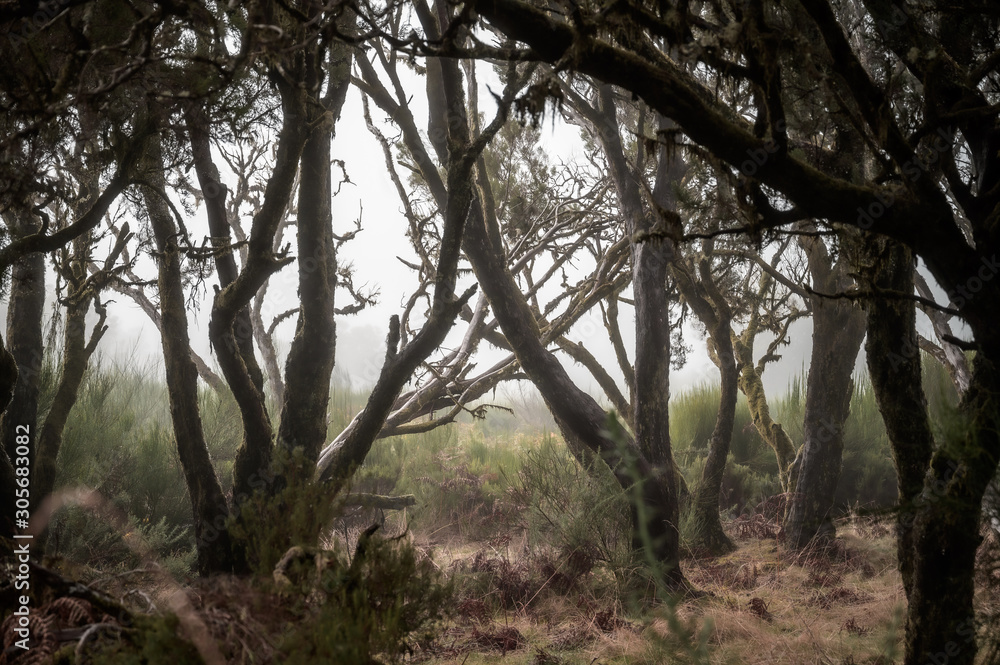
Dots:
(20, 368)
(896, 380)
(838, 330)
(207, 499)
(945, 534)
(8, 483)
(24, 342)
(706, 525)
(253, 458)
(76, 357)
(752, 385)
(303, 420)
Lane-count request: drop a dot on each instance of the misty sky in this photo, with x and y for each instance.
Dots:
(373, 253)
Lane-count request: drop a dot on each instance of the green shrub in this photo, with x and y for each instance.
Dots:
(382, 602)
(266, 526)
(571, 508)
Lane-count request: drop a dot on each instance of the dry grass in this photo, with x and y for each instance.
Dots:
(764, 607)
(820, 609)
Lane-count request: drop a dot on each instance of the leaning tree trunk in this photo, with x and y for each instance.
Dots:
(706, 525)
(77, 352)
(211, 510)
(838, 330)
(752, 386)
(655, 511)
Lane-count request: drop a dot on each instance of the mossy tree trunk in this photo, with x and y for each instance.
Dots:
(651, 268)
(211, 510)
(940, 486)
(652, 257)
(303, 419)
(752, 386)
(229, 328)
(8, 483)
(838, 330)
(713, 311)
(21, 362)
(24, 339)
(84, 279)
(232, 340)
(84, 291)
(896, 381)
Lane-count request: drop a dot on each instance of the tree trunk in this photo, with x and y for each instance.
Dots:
(8, 483)
(939, 510)
(838, 330)
(76, 357)
(24, 342)
(303, 422)
(898, 388)
(940, 616)
(706, 527)
(652, 257)
(751, 385)
(225, 329)
(20, 368)
(580, 418)
(207, 499)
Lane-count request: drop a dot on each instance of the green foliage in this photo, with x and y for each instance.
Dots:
(572, 508)
(119, 441)
(751, 472)
(78, 536)
(377, 604)
(150, 640)
(297, 515)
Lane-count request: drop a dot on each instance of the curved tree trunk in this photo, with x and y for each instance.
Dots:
(76, 357)
(208, 501)
(706, 526)
(752, 385)
(578, 415)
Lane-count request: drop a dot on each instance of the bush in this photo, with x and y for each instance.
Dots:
(388, 596)
(572, 508)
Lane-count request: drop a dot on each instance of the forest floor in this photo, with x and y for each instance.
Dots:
(512, 605)
(841, 607)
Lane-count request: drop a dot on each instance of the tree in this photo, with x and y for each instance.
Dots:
(50, 88)
(922, 196)
(644, 206)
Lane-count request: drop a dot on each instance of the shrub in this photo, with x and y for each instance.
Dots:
(385, 601)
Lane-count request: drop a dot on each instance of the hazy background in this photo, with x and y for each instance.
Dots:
(360, 338)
